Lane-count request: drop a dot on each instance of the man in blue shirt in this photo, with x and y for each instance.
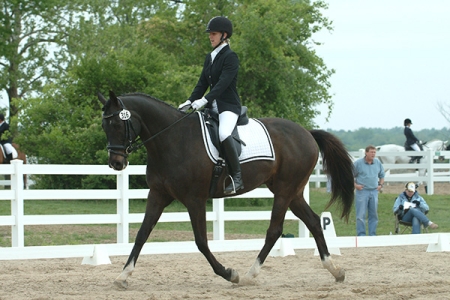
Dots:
(369, 179)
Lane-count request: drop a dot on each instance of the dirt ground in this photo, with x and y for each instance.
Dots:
(371, 273)
(407, 272)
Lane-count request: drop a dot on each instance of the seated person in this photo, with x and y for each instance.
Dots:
(411, 207)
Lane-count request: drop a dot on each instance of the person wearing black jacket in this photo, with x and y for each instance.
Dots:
(219, 74)
(411, 140)
(10, 152)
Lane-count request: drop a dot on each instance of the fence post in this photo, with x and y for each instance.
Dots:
(123, 206)
(18, 229)
(430, 172)
(219, 222)
(319, 166)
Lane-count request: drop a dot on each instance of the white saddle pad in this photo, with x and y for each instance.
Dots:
(254, 135)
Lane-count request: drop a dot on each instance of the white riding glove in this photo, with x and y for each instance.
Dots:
(185, 106)
(197, 104)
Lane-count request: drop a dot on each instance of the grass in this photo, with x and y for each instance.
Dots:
(93, 234)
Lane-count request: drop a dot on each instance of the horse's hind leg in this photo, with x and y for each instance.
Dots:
(304, 212)
(197, 213)
(155, 206)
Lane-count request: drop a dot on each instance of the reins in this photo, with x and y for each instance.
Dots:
(125, 116)
(135, 147)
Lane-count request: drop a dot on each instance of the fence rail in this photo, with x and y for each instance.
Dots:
(122, 194)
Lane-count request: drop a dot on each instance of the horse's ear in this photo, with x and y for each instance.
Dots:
(101, 98)
(113, 97)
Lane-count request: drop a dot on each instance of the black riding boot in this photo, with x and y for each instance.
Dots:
(411, 161)
(8, 158)
(234, 166)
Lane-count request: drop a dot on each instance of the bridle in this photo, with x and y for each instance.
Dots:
(132, 145)
(125, 116)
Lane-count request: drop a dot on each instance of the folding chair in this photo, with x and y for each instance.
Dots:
(403, 226)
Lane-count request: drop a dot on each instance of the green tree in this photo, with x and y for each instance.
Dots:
(28, 31)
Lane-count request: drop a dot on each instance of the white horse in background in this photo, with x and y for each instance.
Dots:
(435, 145)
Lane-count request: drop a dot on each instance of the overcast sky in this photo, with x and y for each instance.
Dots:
(392, 61)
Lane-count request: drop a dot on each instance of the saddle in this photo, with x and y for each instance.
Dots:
(211, 119)
(408, 147)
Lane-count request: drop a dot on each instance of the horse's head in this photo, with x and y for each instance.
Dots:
(120, 128)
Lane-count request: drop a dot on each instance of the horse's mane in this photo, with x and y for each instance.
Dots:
(147, 97)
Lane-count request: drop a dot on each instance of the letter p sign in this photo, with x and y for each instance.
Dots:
(326, 221)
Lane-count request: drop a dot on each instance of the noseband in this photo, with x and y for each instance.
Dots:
(125, 116)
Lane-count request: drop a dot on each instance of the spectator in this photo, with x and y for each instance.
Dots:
(369, 179)
(411, 207)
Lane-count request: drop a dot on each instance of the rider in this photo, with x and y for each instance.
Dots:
(411, 140)
(10, 152)
(219, 74)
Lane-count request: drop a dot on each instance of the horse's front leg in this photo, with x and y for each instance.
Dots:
(304, 212)
(197, 213)
(155, 206)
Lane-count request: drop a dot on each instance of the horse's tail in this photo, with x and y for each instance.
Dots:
(338, 164)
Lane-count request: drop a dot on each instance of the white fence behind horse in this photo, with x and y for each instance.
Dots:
(122, 194)
(436, 171)
(18, 220)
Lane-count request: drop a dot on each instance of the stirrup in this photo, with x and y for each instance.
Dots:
(233, 191)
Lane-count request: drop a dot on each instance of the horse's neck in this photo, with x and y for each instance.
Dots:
(156, 116)
(435, 145)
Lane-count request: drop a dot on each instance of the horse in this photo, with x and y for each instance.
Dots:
(20, 155)
(178, 167)
(435, 145)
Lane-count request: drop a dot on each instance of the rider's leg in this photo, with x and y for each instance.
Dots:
(10, 152)
(227, 122)
(416, 148)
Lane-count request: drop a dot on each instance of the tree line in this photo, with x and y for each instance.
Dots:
(362, 137)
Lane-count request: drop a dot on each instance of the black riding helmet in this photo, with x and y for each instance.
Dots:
(407, 121)
(220, 24)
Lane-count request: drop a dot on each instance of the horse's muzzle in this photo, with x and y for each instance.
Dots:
(117, 161)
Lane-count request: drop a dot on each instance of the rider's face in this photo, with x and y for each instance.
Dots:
(214, 38)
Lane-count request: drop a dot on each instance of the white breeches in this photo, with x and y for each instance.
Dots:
(10, 149)
(227, 122)
(415, 147)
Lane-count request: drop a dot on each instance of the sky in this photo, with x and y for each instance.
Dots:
(392, 61)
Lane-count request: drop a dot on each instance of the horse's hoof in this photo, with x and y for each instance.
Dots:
(234, 278)
(121, 284)
(341, 276)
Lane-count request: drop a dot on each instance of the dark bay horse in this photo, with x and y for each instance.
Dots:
(178, 167)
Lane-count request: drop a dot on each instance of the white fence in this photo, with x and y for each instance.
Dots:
(435, 171)
(122, 194)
